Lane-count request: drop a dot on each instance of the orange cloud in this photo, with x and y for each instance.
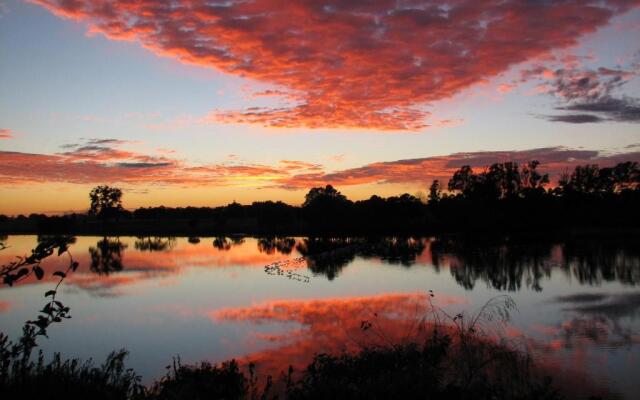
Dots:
(5, 134)
(98, 164)
(554, 160)
(349, 64)
(102, 160)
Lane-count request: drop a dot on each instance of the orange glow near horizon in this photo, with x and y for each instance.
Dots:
(155, 180)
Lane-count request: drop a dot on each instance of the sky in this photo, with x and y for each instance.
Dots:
(203, 103)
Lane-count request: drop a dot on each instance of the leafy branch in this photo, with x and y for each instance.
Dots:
(53, 311)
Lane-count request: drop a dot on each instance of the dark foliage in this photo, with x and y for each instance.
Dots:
(200, 382)
(421, 371)
(72, 379)
(106, 202)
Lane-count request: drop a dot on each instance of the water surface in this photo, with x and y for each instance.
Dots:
(212, 299)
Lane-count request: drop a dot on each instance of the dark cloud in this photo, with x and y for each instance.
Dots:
(575, 118)
(624, 109)
(609, 305)
(144, 165)
(95, 143)
(582, 297)
(107, 141)
(588, 96)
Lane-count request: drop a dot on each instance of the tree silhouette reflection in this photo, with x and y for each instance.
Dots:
(512, 265)
(271, 244)
(328, 256)
(106, 256)
(225, 243)
(155, 243)
(594, 262)
(394, 250)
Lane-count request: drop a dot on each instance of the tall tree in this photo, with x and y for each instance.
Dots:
(106, 202)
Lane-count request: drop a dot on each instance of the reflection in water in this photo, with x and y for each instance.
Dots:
(5, 305)
(509, 266)
(605, 320)
(330, 325)
(335, 325)
(395, 250)
(604, 261)
(283, 245)
(598, 322)
(106, 256)
(328, 256)
(283, 268)
(502, 266)
(155, 243)
(225, 243)
(62, 239)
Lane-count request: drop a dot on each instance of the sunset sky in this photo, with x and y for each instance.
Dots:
(201, 103)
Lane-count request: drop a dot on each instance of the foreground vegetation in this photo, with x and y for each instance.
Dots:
(439, 368)
(503, 197)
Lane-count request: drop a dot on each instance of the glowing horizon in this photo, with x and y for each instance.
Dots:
(186, 103)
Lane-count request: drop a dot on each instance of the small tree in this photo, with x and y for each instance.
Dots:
(435, 192)
(106, 201)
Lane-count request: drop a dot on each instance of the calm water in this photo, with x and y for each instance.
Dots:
(578, 301)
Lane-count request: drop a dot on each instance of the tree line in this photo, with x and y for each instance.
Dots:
(502, 197)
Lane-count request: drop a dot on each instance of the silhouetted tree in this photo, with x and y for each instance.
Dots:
(463, 181)
(585, 179)
(435, 192)
(626, 176)
(326, 208)
(499, 181)
(531, 181)
(106, 202)
(325, 194)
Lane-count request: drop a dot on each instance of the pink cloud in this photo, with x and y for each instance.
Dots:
(103, 160)
(119, 166)
(356, 64)
(554, 160)
(5, 134)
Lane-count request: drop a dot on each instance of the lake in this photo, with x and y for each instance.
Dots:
(277, 301)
